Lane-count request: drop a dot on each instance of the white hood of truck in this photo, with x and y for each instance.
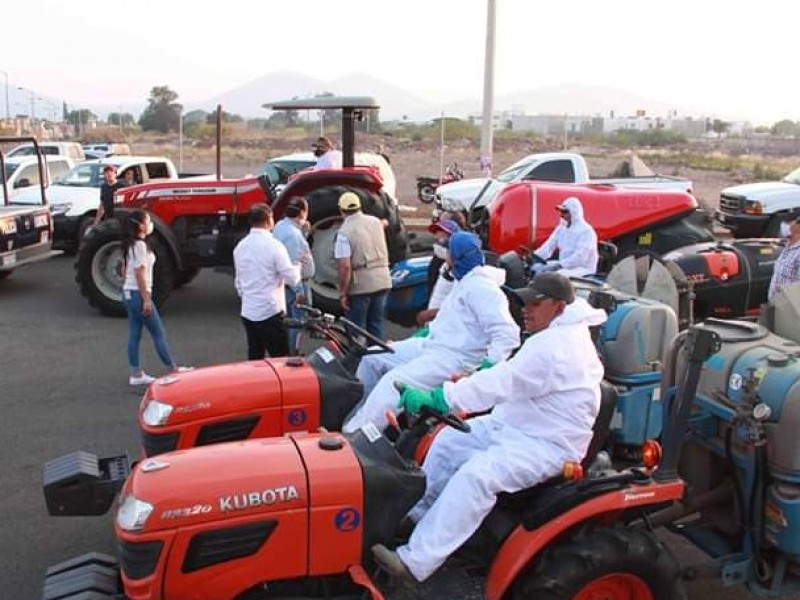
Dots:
(461, 194)
(764, 190)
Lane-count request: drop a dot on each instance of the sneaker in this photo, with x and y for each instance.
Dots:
(143, 379)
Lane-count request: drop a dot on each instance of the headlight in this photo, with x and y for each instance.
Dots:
(60, 209)
(753, 207)
(156, 414)
(133, 513)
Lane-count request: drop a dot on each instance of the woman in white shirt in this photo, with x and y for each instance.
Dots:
(137, 294)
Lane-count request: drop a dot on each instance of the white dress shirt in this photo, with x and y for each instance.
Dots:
(332, 159)
(263, 267)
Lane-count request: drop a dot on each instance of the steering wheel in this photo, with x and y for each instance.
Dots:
(352, 327)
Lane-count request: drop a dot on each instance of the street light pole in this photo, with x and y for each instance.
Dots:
(488, 93)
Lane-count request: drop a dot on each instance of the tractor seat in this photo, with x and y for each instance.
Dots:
(601, 431)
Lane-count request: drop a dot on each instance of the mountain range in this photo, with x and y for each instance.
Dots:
(396, 103)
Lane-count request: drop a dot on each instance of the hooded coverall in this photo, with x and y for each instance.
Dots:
(576, 243)
(545, 400)
(473, 323)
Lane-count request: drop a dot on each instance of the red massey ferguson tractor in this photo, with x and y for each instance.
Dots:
(198, 222)
(297, 516)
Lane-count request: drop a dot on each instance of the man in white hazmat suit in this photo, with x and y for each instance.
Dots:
(546, 399)
(575, 240)
(473, 328)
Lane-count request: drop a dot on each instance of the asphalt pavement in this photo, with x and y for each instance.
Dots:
(64, 388)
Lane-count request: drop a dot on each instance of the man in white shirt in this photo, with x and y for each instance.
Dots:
(263, 267)
(327, 157)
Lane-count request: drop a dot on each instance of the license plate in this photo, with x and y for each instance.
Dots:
(8, 227)
(45, 237)
(10, 259)
(41, 221)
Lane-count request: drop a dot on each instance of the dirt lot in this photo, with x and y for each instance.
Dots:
(410, 159)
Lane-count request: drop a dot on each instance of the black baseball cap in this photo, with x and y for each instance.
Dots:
(546, 285)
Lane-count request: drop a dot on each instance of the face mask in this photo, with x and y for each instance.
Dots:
(149, 229)
(786, 229)
(439, 251)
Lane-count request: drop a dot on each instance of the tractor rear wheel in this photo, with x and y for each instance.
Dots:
(604, 563)
(99, 275)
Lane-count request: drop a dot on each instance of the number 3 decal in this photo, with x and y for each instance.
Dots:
(347, 519)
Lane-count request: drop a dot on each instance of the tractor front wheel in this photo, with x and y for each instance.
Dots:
(604, 563)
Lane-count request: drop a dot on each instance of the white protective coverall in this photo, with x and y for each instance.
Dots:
(576, 243)
(545, 400)
(473, 323)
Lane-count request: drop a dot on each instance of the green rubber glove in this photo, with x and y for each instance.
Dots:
(421, 332)
(485, 364)
(412, 400)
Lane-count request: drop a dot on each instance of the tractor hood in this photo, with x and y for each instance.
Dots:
(249, 387)
(218, 390)
(459, 195)
(186, 488)
(243, 480)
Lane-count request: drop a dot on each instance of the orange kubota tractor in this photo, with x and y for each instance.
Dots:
(296, 517)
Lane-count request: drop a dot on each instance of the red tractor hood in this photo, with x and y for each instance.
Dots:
(219, 390)
(524, 214)
(260, 398)
(246, 479)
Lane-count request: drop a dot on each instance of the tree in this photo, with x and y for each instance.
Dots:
(162, 113)
(786, 128)
(80, 118)
(227, 117)
(121, 119)
(719, 127)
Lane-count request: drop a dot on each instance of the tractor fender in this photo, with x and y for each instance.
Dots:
(522, 547)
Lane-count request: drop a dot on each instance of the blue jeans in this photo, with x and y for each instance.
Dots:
(366, 310)
(295, 313)
(136, 320)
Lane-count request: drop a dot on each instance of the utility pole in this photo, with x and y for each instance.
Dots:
(488, 93)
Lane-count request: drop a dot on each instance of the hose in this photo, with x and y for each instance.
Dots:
(737, 484)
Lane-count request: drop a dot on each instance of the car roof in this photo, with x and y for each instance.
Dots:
(16, 160)
(124, 159)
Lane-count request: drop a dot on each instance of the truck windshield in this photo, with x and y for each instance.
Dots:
(514, 171)
(10, 168)
(793, 177)
(84, 175)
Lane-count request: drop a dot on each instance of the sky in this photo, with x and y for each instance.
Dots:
(735, 60)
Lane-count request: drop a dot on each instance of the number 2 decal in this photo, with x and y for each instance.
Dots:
(347, 519)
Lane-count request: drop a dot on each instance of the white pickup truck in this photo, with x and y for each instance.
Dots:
(756, 209)
(560, 167)
(75, 198)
